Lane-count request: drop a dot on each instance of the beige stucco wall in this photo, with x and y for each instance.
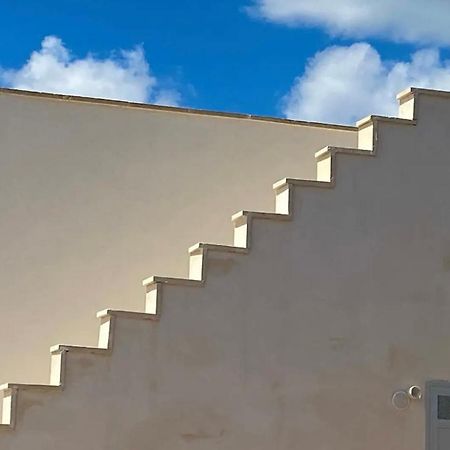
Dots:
(298, 344)
(94, 197)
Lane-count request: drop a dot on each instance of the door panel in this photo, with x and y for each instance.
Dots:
(443, 439)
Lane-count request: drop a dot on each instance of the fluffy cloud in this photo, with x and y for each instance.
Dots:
(124, 76)
(424, 21)
(344, 84)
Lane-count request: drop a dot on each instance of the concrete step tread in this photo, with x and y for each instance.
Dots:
(217, 248)
(300, 182)
(369, 120)
(58, 348)
(127, 314)
(260, 215)
(28, 387)
(172, 281)
(329, 150)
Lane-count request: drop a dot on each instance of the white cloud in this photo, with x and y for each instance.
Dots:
(424, 21)
(344, 84)
(167, 97)
(125, 75)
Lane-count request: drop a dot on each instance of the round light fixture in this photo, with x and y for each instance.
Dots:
(401, 400)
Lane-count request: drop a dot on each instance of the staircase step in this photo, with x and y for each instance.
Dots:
(259, 215)
(199, 257)
(325, 160)
(329, 150)
(242, 222)
(302, 183)
(370, 120)
(154, 287)
(78, 349)
(172, 281)
(217, 248)
(126, 314)
(28, 387)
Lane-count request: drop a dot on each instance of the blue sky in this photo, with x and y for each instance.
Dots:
(220, 56)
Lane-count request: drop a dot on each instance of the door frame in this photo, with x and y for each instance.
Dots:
(433, 389)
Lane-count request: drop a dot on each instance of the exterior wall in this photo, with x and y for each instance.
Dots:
(299, 343)
(95, 196)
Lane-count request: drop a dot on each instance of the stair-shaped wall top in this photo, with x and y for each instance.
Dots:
(300, 332)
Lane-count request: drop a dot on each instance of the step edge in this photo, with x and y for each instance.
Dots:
(217, 248)
(127, 314)
(172, 281)
(260, 215)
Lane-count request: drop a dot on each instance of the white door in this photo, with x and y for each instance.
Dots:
(438, 415)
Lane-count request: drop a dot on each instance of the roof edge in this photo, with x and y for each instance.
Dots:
(172, 109)
(413, 91)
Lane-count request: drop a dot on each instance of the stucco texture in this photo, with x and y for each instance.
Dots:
(298, 344)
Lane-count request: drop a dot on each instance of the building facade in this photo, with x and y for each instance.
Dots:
(320, 323)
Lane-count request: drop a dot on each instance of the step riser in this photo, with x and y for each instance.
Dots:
(7, 408)
(325, 168)
(105, 333)
(152, 298)
(407, 101)
(57, 368)
(197, 264)
(283, 197)
(241, 233)
(407, 109)
(366, 137)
